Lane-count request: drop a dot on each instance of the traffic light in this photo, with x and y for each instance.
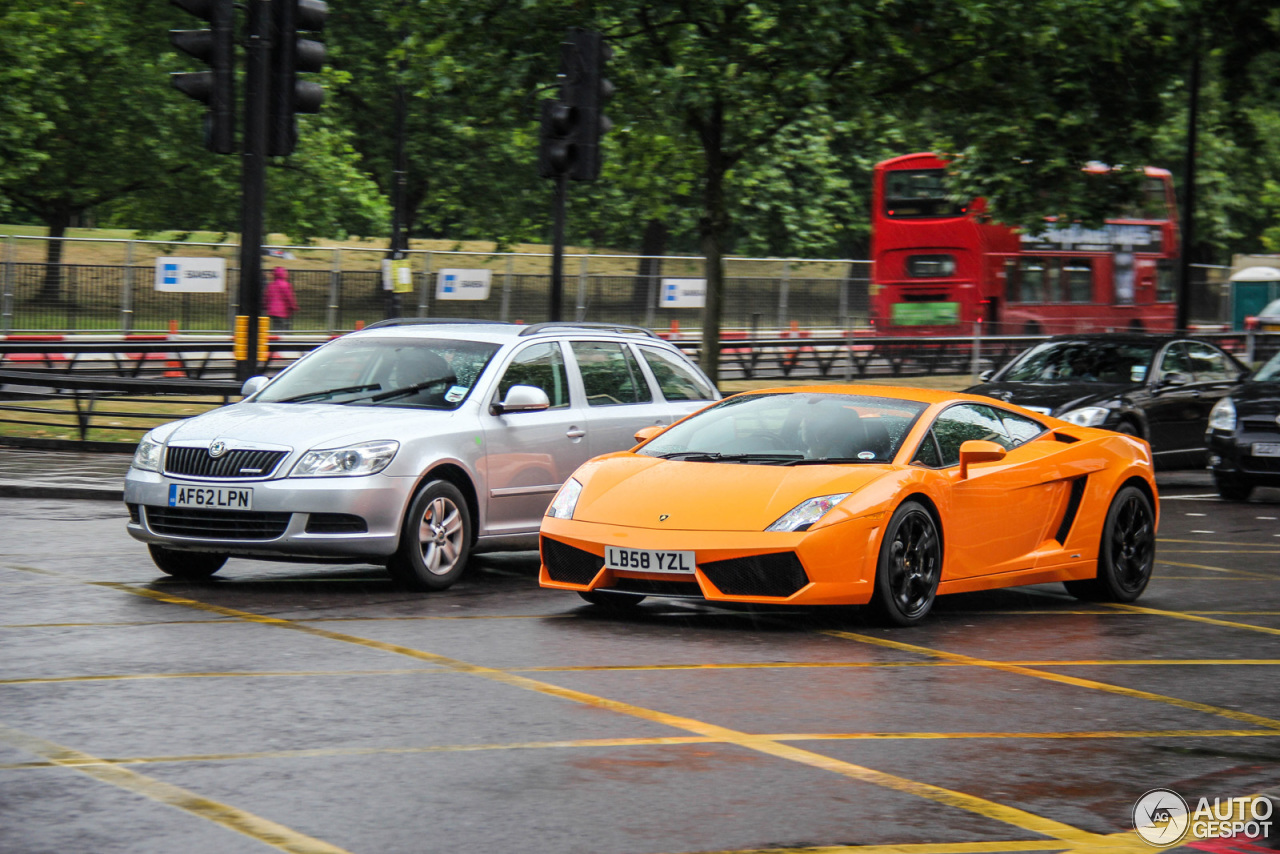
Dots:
(590, 90)
(292, 54)
(557, 150)
(215, 87)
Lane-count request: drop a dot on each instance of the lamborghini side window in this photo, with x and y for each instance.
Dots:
(928, 455)
(1020, 428)
(966, 422)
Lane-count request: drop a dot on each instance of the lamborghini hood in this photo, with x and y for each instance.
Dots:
(647, 492)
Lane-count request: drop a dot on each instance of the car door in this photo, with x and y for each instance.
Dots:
(1175, 412)
(682, 386)
(618, 396)
(1216, 375)
(998, 515)
(528, 455)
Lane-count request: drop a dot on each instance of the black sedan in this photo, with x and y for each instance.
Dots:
(1159, 387)
(1244, 435)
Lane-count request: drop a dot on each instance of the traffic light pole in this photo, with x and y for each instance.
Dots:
(557, 248)
(253, 177)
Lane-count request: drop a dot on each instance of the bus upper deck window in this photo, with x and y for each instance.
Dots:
(931, 266)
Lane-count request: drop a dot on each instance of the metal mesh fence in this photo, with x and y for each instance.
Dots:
(338, 289)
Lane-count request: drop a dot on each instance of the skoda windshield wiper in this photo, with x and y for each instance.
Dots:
(330, 392)
(403, 391)
(714, 457)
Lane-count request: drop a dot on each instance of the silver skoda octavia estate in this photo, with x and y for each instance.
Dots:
(412, 443)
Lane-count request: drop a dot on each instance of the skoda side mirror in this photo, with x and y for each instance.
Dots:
(253, 385)
(522, 398)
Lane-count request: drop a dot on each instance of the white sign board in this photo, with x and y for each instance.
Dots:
(683, 293)
(463, 284)
(191, 275)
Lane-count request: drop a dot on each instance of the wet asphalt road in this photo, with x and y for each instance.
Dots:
(320, 709)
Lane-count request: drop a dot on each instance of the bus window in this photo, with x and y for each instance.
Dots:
(918, 193)
(1078, 277)
(931, 266)
(1164, 281)
(1031, 272)
(1124, 278)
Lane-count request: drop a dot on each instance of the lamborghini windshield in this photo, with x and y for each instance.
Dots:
(791, 429)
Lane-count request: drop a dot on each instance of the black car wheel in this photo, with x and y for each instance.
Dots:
(605, 599)
(909, 567)
(1127, 553)
(435, 540)
(189, 565)
(1233, 490)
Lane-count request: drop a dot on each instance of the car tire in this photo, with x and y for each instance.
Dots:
(435, 539)
(189, 565)
(909, 567)
(1126, 554)
(1233, 490)
(1128, 428)
(616, 601)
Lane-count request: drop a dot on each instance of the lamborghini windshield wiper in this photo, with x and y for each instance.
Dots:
(820, 461)
(329, 392)
(715, 457)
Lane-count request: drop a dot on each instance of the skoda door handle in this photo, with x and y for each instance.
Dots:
(575, 433)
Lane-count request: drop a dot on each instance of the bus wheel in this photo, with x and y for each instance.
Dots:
(1135, 325)
(1032, 328)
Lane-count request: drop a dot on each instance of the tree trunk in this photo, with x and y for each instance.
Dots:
(653, 245)
(712, 228)
(51, 289)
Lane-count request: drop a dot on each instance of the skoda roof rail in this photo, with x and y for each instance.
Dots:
(535, 328)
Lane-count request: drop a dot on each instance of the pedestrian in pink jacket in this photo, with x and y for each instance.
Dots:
(279, 301)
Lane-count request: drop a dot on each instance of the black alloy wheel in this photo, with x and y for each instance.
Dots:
(1127, 553)
(909, 567)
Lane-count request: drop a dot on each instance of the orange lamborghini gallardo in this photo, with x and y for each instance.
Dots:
(856, 495)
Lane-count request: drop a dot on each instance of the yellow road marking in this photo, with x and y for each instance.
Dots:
(1195, 618)
(1133, 693)
(658, 741)
(761, 744)
(641, 668)
(1241, 573)
(224, 815)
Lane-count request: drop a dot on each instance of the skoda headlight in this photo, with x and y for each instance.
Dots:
(1223, 416)
(1087, 416)
(804, 515)
(365, 458)
(565, 501)
(147, 456)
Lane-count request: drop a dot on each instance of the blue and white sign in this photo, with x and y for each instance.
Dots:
(683, 293)
(463, 284)
(191, 275)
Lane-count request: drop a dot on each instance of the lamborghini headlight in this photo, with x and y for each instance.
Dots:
(566, 500)
(351, 461)
(1087, 416)
(805, 514)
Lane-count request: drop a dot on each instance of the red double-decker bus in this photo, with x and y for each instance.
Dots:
(938, 266)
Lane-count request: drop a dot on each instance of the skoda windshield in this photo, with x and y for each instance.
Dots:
(415, 373)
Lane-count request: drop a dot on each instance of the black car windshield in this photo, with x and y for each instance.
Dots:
(1270, 372)
(401, 372)
(774, 428)
(1085, 360)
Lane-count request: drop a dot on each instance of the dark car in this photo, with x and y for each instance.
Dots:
(1159, 387)
(1244, 435)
